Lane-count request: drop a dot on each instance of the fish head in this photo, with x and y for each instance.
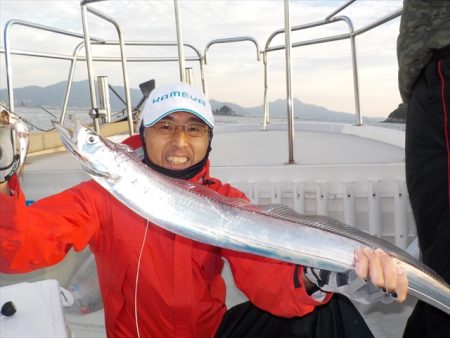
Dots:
(14, 141)
(91, 149)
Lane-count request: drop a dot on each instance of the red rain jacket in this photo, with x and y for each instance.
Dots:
(181, 292)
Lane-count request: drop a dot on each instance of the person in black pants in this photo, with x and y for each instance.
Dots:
(424, 82)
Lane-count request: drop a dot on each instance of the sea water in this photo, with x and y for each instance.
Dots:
(40, 120)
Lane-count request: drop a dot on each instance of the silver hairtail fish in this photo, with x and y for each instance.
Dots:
(14, 142)
(274, 231)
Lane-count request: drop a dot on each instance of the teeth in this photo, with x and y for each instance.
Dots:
(177, 160)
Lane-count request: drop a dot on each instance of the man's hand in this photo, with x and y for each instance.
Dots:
(380, 268)
(375, 278)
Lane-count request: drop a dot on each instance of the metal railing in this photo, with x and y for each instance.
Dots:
(351, 35)
(89, 58)
(80, 46)
(288, 45)
(9, 74)
(225, 41)
(87, 40)
(76, 57)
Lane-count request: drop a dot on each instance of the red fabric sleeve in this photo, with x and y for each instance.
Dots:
(272, 285)
(134, 141)
(40, 235)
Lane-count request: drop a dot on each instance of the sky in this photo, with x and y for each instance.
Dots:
(321, 74)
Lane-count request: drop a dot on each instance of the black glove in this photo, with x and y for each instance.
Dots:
(349, 284)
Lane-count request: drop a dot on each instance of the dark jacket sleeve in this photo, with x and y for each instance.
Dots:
(424, 27)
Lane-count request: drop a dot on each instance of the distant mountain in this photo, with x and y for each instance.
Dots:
(224, 111)
(53, 96)
(302, 111)
(398, 115)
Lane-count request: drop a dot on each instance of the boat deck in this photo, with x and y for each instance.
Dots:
(315, 144)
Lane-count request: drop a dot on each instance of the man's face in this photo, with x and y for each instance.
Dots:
(178, 151)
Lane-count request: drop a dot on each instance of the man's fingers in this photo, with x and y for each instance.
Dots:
(376, 272)
(395, 279)
(402, 285)
(388, 269)
(361, 264)
(381, 269)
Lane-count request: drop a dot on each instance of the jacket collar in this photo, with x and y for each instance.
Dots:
(203, 176)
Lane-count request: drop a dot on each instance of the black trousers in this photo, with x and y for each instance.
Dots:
(336, 319)
(427, 176)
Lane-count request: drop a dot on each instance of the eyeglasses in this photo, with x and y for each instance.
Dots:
(192, 129)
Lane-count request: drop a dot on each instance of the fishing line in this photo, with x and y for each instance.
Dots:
(137, 280)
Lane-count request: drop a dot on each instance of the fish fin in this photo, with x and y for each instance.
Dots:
(324, 223)
(284, 212)
(273, 210)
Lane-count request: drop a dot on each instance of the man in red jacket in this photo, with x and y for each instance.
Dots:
(180, 292)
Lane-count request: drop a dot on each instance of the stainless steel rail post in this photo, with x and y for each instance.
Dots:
(290, 105)
(90, 71)
(123, 59)
(180, 41)
(73, 63)
(189, 76)
(202, 75)
(349, 23)
(266, 119)
(103, 92)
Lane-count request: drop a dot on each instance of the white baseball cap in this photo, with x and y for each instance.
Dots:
(176, 97)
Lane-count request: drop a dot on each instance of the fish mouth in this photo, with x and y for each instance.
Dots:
(68, 138)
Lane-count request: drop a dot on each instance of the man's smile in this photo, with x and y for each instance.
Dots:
(177, 160)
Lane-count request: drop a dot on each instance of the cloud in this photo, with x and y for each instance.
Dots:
(233, 67)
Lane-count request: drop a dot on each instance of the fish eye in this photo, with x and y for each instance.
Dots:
(91, 139)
